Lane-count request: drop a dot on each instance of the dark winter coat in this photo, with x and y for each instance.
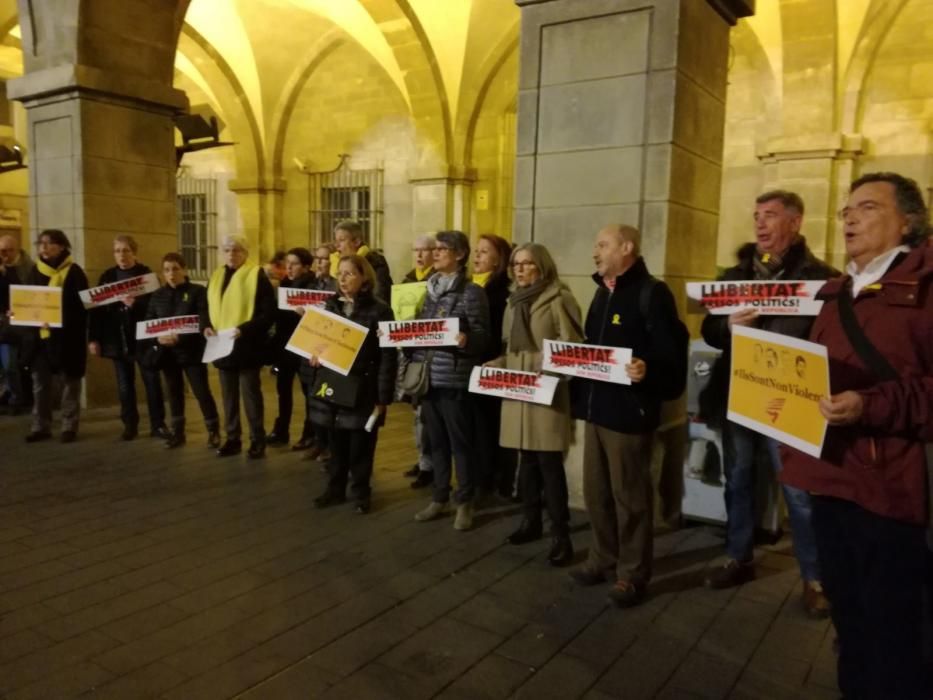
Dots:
(250, 348)
(286, 321)
(799, 264)
(9, 335)
(187, 299)
(66, 348)
(497, 295)
(615, 318)
(879, 462)
(374, 367)
(113, 326)
(450, 367)
(383, 277)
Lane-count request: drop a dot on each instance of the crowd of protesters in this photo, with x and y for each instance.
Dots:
(859, 514)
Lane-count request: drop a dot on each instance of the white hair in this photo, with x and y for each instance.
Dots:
(235, 241)
(425, 240)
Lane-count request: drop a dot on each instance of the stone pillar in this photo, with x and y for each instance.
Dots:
(101, 163)
(819, 167)
(261, 213)
(621, 109)
(442, 198)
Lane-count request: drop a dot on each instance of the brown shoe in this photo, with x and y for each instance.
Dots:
(814, 600)
(627, 594)
(314, 454)
(732, 573)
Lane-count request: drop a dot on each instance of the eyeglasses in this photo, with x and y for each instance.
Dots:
(523, 263)
(863, 208)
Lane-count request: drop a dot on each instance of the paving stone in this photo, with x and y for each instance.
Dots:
(298, 682)
(377, 682)
(494, 677)
(143, 683)
(564, 676)
(705, 676)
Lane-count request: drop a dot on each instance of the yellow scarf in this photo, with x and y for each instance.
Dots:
(56, 277)
(422, 274)
(234, 306)
(481, 278)
(335, 259)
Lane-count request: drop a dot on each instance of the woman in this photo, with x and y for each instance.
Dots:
(490, 271)
(179, 355)
(112, 334)
(298, 275)
(318, 444)
(541, 307)
(57, 354)
(360, 399)
(448, 414)
(240, 300)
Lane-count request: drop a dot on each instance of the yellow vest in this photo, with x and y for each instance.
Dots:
(234, 306)
(335, 259)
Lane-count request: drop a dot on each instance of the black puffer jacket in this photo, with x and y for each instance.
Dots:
(285, 322)
(66, 347)
(615, 319)
(114, 326)
(187, 299)
(450, 367)
(375, 368)
(799, 264)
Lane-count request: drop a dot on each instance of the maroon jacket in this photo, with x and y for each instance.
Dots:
(880, 461)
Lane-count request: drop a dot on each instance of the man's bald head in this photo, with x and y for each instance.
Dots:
(9, 249)
(616, 249)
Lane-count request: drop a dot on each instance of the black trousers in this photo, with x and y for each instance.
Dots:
(448, 417)
(197, 380)
(544, 471)
(873, 572)
(125, 370)
(233, 382)
(352, 455)
(283, 387)
(495, 464)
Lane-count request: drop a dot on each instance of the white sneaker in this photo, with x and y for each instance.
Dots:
(464, 519)
(433, 511)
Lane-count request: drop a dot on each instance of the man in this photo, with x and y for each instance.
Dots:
(15, 266)
(872, 505)
(778, 252)
(632, 310)
(112, 334)
(13, 256)
(240, 300)
(348, 237)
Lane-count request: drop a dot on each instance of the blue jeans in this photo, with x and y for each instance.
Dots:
(126, 389)
(10, 373)
(740, 448)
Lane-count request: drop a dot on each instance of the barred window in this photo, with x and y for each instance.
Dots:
(341, 194)
(196, 203)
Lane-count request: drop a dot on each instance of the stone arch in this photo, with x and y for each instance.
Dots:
(292, 90)
(878, 22)
(428, 97)
(237, 109)
(490, 70)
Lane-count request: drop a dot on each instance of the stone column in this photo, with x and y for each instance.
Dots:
(101, 163)
(441, 198)
(621, 109)
(819, 167)
(261, 215)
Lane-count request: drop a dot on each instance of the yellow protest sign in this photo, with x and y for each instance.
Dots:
(332, 339)
(35, 305)
(776, 385)
(407, 299)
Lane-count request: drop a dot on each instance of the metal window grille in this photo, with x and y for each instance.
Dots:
(343, 193)
(196, 203)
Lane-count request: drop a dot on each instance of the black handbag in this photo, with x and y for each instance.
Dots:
(336, 389)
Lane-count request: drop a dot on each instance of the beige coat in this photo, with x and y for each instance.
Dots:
(555, 315)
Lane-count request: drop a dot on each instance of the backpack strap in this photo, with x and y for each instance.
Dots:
(644, 300)
(863, 347)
